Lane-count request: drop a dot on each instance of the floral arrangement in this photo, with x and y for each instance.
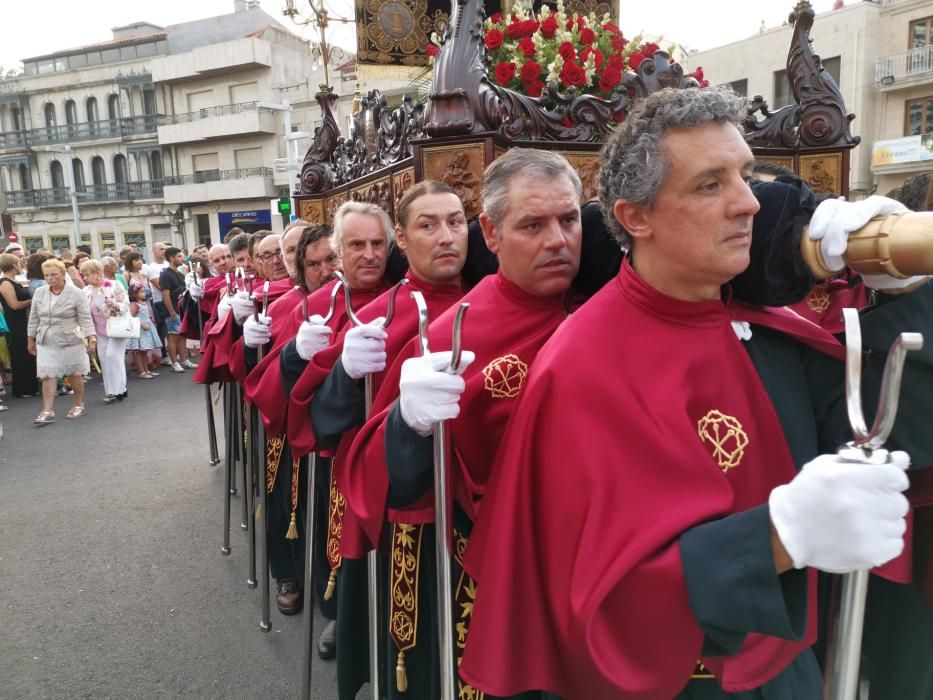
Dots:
(587, 53)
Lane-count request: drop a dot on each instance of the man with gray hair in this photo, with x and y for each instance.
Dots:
(536, 234)
(699, 506)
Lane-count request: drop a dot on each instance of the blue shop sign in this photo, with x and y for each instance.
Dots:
(238, 218)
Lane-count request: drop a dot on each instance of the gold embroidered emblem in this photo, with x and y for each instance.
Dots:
(336, 507)
(403, 583)
(727, 437)
(503, 377)
(818, 298)
(273, 457)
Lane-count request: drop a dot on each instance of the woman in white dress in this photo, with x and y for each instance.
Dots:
(59, 323)
(107, 299)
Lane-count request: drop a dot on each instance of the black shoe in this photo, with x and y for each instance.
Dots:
(122, 396)
(288, 598)
(327, 644)
(110, 398)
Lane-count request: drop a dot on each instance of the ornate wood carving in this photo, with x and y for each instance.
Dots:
(378, 192)
(381, 136)
(401, 182)
(823, 172)
(397, 31)
(461, 167)
(819, 119)
(587, 167)
(311, 210)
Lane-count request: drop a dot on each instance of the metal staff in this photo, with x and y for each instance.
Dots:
(264, 623)
(846, 638)
(307, 623)
(228, 463)
(376, 596)
(445, 611)
(211, 430)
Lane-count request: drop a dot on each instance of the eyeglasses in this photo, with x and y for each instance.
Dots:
(330, 260)
(268, 257)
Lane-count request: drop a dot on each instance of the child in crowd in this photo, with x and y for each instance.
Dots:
(148, 337)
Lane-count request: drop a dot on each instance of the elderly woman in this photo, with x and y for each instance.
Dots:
(14, 298)
(107, 299)
(59, 322)
(111, 272)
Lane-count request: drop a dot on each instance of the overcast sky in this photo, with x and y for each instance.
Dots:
(33, 28)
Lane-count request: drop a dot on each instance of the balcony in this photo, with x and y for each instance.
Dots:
(242, 119)
(82, 131)
(904, 69)
(215, 59)
(220, 185)
(87, 194)
(14, 140)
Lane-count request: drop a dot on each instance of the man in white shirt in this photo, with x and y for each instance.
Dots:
(153, 270)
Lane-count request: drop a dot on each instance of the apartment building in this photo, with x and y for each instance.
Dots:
(167, 133)
(903, 81)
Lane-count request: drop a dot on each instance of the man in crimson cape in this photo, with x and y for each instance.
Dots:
(206, 293)
(326, 402)
(536, 234)
(674, 554)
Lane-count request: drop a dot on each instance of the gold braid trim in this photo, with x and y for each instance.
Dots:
(292, 533)
(701, 672)
(273, 457)
(336, 507)
(463, 610)
(403, 603)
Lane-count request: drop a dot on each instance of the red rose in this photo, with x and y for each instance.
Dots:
(549, 27)
(494, 39)
(572, 74)
(530, 26)
(530, 71)
(587, 36)
(432, 50)
(581, 21)
(496, 18)
(595, 53)
(609, 79)
(612, 28)
(534, 88)
(635, 60)
(505, 71)
(527, 47)
(567, 52)
(516, 30)
(619, 42)
(698, 74)
(616, 61)
(568, 25)
(619, 116)
(648, 50)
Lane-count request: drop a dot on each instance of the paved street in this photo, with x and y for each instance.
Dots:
(111, 576)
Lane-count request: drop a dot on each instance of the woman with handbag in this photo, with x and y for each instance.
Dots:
(110, 311)
(59, 324)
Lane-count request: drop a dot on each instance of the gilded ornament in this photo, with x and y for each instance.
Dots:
(726, 436)
(504, 376)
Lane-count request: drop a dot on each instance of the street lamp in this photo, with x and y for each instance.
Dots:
(70, 180)
(319, 19)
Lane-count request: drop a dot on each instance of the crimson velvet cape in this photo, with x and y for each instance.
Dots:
(265, 386)
(669, 427)
(281, 305)
(505, 327)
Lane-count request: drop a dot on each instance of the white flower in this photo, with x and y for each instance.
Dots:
(554, 69)
(590, 67)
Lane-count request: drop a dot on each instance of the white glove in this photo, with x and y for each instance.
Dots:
(888, 282)
(195, 290)
(428, 394)
(257, 332)
(364, 349)
(242, 306)
(835, 219)
(840, 516)
(223, 308)
(313, 336)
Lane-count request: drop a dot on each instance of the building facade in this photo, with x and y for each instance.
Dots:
(170, 133)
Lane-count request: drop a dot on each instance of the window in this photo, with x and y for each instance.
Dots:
(77, 168)
(127, 52)
(93, 59)
(248, 158)
(119, 169)
(155, 166)
(77, 61)
(113, 107)
(49, 112)
(149, 102)
(206, 167)
(203, 222)
(921, 33)
(200, 100)
(71, 117)
(58, 242)
(110, 55)
(146, 50)
(46, 67)
(739, 87)
(918, 116)
(245, 92)
(33, 243)
(58, 179)
(139, 238)
(92, 113)
(107, 239)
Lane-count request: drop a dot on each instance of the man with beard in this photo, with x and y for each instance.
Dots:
(536, 234)
(685, 530)
(326, 405)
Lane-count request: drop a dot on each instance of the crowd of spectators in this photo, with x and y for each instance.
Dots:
(64, 318)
